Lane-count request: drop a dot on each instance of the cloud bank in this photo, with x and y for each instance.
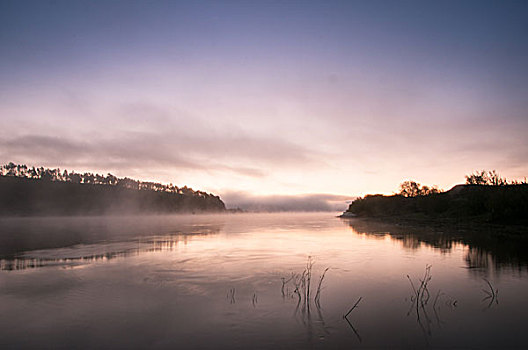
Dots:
(283, 203)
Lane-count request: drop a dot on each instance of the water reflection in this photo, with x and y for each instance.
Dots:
(345, 317)
(27, 234)
(242, 282)
(423, 303)
(82, 254)
(485, 250)
(306, 291)
(47, 242)
(39, 242)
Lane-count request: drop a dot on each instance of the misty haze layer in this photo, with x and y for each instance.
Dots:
(309, 202)
(41, 197)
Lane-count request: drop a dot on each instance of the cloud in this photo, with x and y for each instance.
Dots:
(136, 150)
(281, 203)
(99, 153)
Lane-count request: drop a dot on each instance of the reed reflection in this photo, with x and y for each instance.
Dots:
(423, 303)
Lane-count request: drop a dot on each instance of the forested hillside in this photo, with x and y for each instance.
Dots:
(487, 203)
(486, 197)
(40, 191)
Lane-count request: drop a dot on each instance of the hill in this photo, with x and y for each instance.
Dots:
(49, 192)
(506, 204)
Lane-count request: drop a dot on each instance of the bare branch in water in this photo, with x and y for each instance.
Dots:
(353, 307)
(353, 329)
(492, 294)
(318, 294)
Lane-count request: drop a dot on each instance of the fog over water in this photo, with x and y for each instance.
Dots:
(228, 281)
(281, 203)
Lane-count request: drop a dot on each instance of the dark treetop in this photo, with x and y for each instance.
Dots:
(40, 191)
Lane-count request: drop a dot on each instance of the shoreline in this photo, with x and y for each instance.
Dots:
(453, 225)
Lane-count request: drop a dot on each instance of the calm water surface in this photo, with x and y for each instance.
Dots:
(216, 281)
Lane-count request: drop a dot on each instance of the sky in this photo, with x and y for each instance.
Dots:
(267, 98)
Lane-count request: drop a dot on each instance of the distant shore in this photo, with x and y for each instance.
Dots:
(499, 208)
(41, 197)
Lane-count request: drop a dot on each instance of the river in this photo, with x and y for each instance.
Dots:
(240, 281)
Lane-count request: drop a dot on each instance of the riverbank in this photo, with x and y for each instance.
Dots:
(504, 207)
(451, 225)
(40, 197)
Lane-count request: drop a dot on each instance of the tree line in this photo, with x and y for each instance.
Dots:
(482, 177)
(414, 189)
(490, 178)
(46, 174)
(486, 197)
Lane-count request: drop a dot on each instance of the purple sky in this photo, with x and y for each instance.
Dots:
(267, 98)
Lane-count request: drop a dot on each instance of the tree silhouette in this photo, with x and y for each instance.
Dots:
(483, 177)
(55, 175)
(410, 189)
(153, 195)
(414, 189)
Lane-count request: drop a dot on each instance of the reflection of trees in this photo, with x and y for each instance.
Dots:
(410, 237)
(477, 257)
(71, 257)
(496, 255)
(486, 248)
(410, 242)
